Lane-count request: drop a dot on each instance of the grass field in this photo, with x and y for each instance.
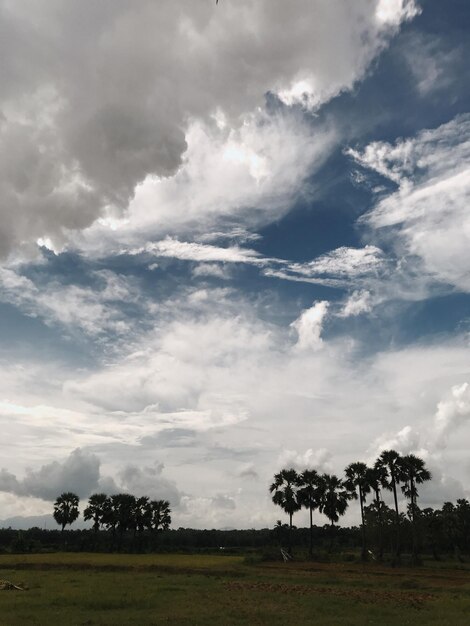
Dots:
(95, 589)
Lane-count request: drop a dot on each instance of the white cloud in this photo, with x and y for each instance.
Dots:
(319, 460)
(426, 220)
(309, 326)
(394, 11)
(211, 270)
(452, 413)
(358, 302)
(343, 262)
(75, 307)
(201, 253)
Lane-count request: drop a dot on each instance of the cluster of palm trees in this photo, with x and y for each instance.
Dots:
(331, 495)
(119, 513)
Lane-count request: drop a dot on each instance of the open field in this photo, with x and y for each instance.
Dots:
(97, 589)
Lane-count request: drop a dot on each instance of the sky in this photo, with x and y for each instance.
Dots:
(233, 239)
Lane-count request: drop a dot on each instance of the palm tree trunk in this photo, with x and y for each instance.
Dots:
(380, 530)
(397, 520)
(332, 536)
(414, 554)
(363, 527)
(311, 534)
(290, 534)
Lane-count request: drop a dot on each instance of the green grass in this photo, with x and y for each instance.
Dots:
(91, 589)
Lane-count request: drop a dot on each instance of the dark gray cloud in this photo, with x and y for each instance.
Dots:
(80, 473)
(149, 481)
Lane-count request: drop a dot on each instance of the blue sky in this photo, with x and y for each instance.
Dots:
(232, 239)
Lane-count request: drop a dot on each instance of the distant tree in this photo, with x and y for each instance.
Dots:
(433, 524)
(390, 461)
(142, 514)
(97, 510)
(284, 490)
(414, 472)
(309, 496)
(123, 508)
(66, 509)
(334, 499)
(160, 518)
(357, 481)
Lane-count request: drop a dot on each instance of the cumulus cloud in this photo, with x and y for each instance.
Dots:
(248, 176)
(358, 302)
(452, 413)
(429, 208)
(80, 473)
(149, 481)
(90, 108)
(309, 326)
(319, 460)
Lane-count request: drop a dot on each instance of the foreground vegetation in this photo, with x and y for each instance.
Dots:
(206, 589)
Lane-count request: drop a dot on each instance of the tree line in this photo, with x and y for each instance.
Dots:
(117, 513)
(330, 495)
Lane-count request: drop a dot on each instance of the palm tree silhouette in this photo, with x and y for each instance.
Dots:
(66, 509)
(334, 500)
(284, 488)
(98, 504)
(357, 478)
(414, 473)
(160, 518)
(309, 496)
(377, 478)
(390, 460)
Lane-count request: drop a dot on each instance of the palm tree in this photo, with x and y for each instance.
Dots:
(377, 478)
(123, 506)
(333, 499)
(357, 477)
(414, 473)
(96, 510)
(66, 509)
(284, 488)
(390, 460)
(309, 496)
(160, 518)
(142, 514)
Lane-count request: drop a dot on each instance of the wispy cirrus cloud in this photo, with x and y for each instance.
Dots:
(425, 221)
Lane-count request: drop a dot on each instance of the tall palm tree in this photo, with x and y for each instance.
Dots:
(390, 460)
(334, 499)
(377, 478)
(357, 478)
(96, 510)
(414, 473)
(308, 495)
(284, 490)
(66, 509)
